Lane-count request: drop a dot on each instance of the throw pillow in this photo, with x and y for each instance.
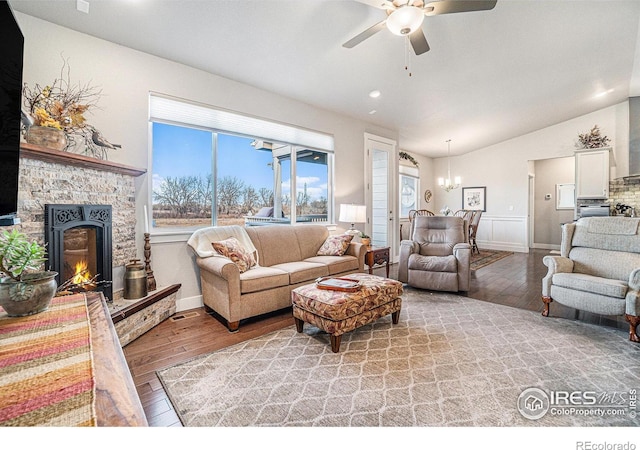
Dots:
(335, 245)
(232, 249)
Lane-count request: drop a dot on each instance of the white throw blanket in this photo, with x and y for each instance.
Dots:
(201, 240)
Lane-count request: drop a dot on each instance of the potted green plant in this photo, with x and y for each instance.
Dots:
(365, 239)
(25, 288)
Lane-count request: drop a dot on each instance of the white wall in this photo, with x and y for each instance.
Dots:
(503, 168)
(127, 76)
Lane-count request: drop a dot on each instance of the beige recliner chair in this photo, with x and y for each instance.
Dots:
(438, 255)
(598, 269)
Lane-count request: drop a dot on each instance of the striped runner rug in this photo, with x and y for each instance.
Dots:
(46, 367)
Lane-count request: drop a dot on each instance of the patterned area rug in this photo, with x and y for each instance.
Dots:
(46, 367)
(451, 361)
(487, 257)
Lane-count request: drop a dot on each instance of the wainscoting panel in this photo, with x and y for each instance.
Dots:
(503, 233)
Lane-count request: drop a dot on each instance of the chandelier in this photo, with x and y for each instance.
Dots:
(446, 184)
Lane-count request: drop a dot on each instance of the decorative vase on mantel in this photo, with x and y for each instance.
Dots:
(46, 137)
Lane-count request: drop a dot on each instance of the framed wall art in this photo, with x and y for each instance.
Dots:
(474, 198)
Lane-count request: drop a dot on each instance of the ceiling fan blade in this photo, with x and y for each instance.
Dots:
(456, 6)
(419, 42)
(380, 4)
(365, 34)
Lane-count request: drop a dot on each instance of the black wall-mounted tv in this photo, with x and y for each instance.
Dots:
(11, 54)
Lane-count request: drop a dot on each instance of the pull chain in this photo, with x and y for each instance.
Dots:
(407, 56)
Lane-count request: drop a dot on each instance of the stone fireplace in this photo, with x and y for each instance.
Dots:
(84, 208)
(78, 239)
(49, 177)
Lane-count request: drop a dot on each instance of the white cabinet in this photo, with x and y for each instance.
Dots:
(592, 174)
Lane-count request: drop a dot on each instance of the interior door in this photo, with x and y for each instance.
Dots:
(381, 190)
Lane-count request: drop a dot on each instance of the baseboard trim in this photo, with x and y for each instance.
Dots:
(503, 246)
(183, 304)
(546, 246)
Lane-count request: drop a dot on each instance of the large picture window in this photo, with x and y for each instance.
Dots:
(206, 176)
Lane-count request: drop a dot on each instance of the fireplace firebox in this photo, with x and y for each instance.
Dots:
(79, 247)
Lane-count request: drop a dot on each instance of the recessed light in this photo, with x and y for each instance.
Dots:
(372, 112)
(374, 94)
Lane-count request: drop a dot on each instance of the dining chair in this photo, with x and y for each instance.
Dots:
(419, 212)
(473, 231)
(467, 215)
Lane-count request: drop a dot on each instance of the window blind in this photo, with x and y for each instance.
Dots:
(163, 108)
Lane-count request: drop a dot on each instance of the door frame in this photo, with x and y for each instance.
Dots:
(392, 192)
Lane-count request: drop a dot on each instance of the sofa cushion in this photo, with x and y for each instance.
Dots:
(336, 264)
(276, 244)
(310, 238)
(335, 245)
(301, 271)
(262, 278)
(433, 263)
(590, 283)
(232, 249)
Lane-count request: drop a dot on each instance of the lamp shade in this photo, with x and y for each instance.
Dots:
(353, 213)
(405, 20)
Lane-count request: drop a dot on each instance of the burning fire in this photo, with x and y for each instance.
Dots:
(82, 274)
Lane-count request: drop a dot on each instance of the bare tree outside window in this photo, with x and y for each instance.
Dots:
(247, 179)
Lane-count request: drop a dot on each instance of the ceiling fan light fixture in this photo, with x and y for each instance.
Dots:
(405, 20)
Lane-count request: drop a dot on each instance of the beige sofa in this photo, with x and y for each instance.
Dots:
(286, 256)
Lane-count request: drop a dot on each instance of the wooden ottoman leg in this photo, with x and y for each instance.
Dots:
(335, 343)
(299, 324)
(395, 317)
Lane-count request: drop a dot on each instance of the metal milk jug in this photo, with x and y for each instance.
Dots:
(135, 280)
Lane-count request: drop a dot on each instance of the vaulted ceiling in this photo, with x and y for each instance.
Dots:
(489, 76)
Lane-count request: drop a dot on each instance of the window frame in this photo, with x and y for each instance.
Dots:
(215, 132)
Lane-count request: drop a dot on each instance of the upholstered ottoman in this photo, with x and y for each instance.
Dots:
(337, 312)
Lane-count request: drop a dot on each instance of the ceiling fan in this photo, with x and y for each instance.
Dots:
(404, 18)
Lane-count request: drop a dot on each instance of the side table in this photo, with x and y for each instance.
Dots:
(375, 256)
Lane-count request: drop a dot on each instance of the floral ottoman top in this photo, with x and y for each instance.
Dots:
(338, 305)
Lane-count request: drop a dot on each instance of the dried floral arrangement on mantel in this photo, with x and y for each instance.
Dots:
(54, 116)
(593, 139)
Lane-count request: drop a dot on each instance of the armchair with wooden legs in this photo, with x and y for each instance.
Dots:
(598, 269)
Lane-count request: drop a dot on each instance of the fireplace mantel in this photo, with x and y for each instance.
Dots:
(56, 156)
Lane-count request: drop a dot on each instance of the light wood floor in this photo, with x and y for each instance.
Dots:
(514, 281)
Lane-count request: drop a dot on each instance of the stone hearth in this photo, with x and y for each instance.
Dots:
(133, 318)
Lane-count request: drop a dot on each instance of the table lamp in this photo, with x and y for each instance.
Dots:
(353, 214)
